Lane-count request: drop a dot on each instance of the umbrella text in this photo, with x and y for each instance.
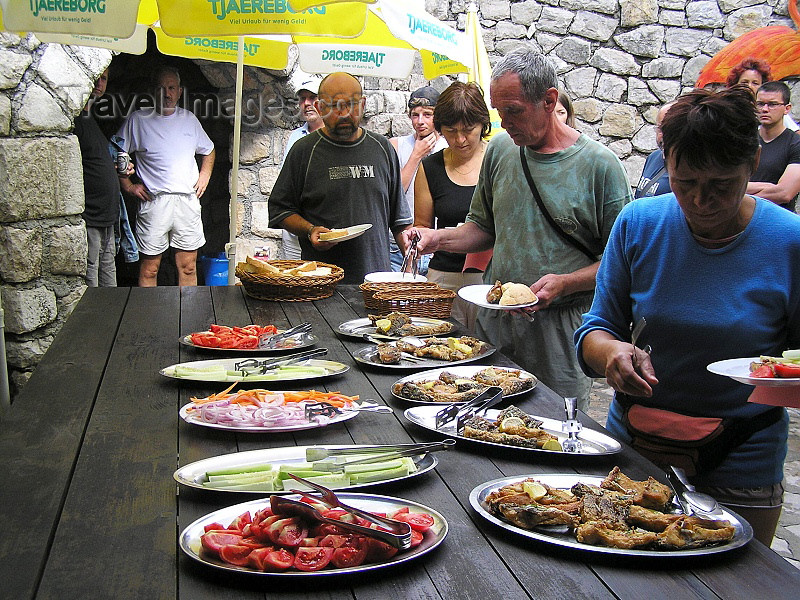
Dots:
(84, 6)
(222, 8)
(416, 24)
(362, 56)
(220, 44)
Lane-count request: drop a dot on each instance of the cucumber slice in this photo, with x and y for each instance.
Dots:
(372, 476)
(376, 466)
(241, 469)
(329, 480)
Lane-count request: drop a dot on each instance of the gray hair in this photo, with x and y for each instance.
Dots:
(166, 70)
(536, 73)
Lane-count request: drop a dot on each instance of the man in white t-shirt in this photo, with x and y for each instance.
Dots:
(165, 142)
(307, 90)
(411, 149)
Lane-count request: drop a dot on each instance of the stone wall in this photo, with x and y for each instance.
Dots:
(42, 235)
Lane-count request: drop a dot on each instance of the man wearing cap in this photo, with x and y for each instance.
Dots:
(339, 176)
(411, 149)
(307, 90)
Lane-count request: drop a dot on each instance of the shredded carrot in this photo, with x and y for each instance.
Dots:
(257, 396)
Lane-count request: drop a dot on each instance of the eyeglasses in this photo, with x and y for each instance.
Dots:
(770, 105)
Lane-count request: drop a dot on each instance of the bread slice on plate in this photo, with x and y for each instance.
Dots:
(332, 234)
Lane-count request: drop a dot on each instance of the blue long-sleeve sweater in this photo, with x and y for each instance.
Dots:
(703, 305)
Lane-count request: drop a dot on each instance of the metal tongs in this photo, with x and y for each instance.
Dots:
(395, 533)
(460, 413)
(253, 366)
(316, 409)
(690, 500)
(267, 341)
(322, 452)
(637, 330)
(411, 256)
(571, 427)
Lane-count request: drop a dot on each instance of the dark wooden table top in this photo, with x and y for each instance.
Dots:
(90, 508)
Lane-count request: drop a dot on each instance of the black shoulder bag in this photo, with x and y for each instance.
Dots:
(564, 235)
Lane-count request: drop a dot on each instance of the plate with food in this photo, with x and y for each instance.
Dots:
(266, 470)
(248, 339)
(342, 235)
(232, 370)
(608, 515)
(766, 371)
(513, 428)
(222, 548)
(424, 353)
(500, 296)
(395, 324)
(265, 411)
(461, 384)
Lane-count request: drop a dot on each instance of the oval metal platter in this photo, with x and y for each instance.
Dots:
(299, 342)
(332, 368)
(465, 372)
(368, 356)
(358, 327)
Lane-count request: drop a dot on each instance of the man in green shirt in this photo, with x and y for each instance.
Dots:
(583, 187)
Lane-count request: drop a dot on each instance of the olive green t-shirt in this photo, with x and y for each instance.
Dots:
(584, 187)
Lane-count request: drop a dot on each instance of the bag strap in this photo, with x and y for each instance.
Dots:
(563, 234)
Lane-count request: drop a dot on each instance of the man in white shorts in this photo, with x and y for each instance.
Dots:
(165, 142)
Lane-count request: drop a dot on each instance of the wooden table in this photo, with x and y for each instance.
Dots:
(90, 509)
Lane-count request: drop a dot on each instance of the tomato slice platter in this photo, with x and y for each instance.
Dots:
(222, 338)
(190, 538)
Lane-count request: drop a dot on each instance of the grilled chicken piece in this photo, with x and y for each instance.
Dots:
(495, 293)
(388, 354)
(694, 532)
(597, 534)
(650, 493)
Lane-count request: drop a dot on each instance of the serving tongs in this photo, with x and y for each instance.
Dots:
(379, 453)
(316, 409)
(254, 366)
(461, 413)
(411, 257)
(271, 341)
(373, 337)
(395, 533)
(690, 500)
(571, 427)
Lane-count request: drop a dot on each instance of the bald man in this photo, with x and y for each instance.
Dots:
(655, 180)
(339, 176)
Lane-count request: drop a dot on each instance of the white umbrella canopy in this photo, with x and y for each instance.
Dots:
(364, 37)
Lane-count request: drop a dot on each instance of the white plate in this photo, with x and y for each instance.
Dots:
(466, 372)
(477, 497)
(595, 443)
(190, 537)
(314, 424)
(739, 369)
(352, 232)
(476, 294)
(194, 474)
(369, 355)
(356, 328)
(334, 368)
(394, 277)
(306, 340)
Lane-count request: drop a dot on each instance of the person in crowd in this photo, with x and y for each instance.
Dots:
(777, 177)
(101, 193)
(446, 180)
(338, 176)
(165, 142)
(582, 186)
(564, 110)
(713, 271)
(655, 179)
(754, 72)
(411, 149)
(307, 90)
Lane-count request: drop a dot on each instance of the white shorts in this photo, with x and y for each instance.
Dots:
(169, 220)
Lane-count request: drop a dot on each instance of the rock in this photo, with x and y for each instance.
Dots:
(38, 178)
(642, 41)
(639, 93)
(395, 102)
(614, 61)
(574, 50)
(588, 109)
(692, 69)
(732, 5)
(619, 120)
(675, 18)
(259, 219)
(686, 42)
(645, 139)
(12, 66)
(638, 12)
(246, 180)
(96, 60)
(665, 89)
(21, 256)
(28, 309)
(593, 26)
(401, 125)
(610, 87)
(496, 10)
(266, 179)
(64, 77)
(254, 147)
(622, 148)
(39, 112)
(663, 67)
(746, 19)
(554, 20)
(634, 165)
(547, 41)
(580, 82)
(526, 12)
(27, 354)
(608, 7)
(505, 30)
(704, 14)
(380, 124)
(5, 115)
(66, 250)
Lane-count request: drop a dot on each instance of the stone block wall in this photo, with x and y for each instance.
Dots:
(42, 234)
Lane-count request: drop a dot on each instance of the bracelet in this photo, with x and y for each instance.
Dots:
(310, 230)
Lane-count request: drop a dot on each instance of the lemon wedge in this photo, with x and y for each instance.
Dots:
(551, 445)
(534, 489)
(383, 325)
(511, 423)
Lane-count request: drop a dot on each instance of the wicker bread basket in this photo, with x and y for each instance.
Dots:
(428, 302)
(290, 288)
(369, 289)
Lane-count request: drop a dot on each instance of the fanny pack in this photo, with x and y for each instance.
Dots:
(696, 444)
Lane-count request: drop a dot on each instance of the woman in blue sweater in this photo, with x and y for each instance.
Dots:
(715, 273)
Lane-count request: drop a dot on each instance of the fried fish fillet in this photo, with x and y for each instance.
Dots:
(650, 493)
(533, 515)
(598, 534)
(652, 520)
(388, 354)
(694, 532)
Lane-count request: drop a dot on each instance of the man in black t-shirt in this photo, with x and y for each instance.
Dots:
(778, 175)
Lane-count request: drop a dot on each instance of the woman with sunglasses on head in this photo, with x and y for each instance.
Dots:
(714, 272)
(446, 180)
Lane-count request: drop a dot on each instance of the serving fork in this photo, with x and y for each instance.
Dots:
(316, 409)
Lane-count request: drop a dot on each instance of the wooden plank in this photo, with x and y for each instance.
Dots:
(41, 436)
(117, 529)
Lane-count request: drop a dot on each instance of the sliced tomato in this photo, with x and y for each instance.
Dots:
(419, 521)
(310, 542)
(312, 559)
(235, 554)
(260, 530)
(763, 371)
(240, 521)
(333, 541)
(214, 527)
(400, 511)
(257, 557)
(784, 370)
(249, 341)
(416, 538)
(252, 542)
(287, 532)
(214, 541)
(349, 556)
(207, 340)
(378, 551)
(323, 529)
(267, 329)
(214, 328)
(279, 559)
